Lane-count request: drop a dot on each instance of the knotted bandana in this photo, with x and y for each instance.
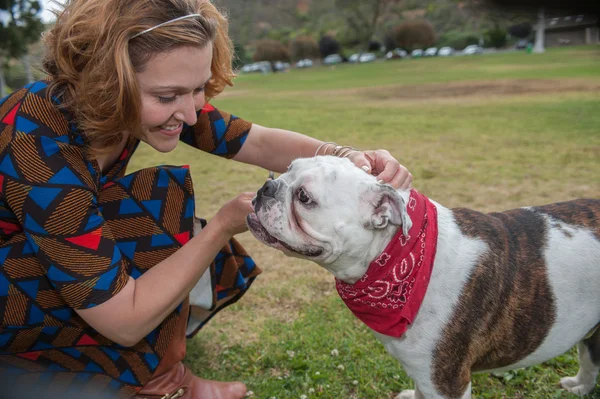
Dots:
(389, 295)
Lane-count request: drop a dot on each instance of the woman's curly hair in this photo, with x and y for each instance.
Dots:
(92, 58)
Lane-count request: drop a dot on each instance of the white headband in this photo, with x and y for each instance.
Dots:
(165, 23)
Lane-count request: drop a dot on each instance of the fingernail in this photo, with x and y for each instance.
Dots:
(380, 181)
(365, 168)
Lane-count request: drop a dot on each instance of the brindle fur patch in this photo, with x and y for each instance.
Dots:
(560, 227)
(507, 306)
(583, 212)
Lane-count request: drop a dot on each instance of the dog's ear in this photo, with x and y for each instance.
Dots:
(386, 206)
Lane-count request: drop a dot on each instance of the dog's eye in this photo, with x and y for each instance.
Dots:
(305, 199)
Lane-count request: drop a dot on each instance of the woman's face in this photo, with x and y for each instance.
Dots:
(172, 89)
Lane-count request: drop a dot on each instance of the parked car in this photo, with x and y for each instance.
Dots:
(281, 66)
(445, 51)
(430, 52)
(367, 57)
(261, 66)
(248, 68)
(521, 44)
(395, 54)
(416, 53)
(362, 57)
(473, 49)
(332, 59)
(305, 63)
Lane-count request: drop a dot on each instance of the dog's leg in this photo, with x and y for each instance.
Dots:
(589, 364)
(410, 394)
(417, 394)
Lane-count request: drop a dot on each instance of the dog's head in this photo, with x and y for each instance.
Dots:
(327, 210)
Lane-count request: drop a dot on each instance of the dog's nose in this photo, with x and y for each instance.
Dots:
(268, 189)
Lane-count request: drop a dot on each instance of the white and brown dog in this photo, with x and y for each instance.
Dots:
(449, 292)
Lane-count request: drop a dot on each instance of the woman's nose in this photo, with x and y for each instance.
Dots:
(189, 109)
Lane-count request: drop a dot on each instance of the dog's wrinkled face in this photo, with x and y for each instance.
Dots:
(325, 209)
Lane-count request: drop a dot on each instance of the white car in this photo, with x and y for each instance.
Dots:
(248, 68)
(362, 57)
(367, 57)
(430, 52)
(445, 51)
(332, 59)
(416, 53)
(396, 53)
(261, 66)
(472, 49)
(305, 63)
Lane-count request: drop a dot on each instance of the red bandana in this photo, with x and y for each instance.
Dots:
(387, 298)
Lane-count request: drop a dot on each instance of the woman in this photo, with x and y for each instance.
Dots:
(95, 275)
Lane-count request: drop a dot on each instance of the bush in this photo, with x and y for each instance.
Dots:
(14, 74)
(304, 47)
(240, 58)
(458, 39)
(389, 41)
(328, 45)
(374, 45)
(270, 50)
(495, 37)
(414, 34)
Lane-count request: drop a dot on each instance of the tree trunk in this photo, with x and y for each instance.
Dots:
(539, 33)
(27, 68)
(373, 25)
(3, 91)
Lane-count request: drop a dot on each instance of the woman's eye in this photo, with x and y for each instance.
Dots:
(302, 197)
(166, 100)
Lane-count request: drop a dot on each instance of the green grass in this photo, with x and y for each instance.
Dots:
(558, 63)
(491, 133)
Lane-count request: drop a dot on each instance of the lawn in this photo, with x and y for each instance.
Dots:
(488, 132)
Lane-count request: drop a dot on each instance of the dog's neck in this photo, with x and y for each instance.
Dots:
(352, 265)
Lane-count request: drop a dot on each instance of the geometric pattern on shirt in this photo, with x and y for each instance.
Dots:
(54, 208)
(217, 132)
(45, 341)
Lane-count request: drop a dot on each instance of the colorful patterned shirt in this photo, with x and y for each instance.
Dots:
(58, 253)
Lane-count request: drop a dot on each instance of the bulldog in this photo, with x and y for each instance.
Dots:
(449, 292)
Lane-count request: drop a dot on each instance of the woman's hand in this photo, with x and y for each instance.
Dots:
(232, 215)
(384, 166)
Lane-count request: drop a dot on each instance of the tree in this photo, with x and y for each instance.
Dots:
(522, 30)
(22, 28)
(303, 47)
(328, 45)
(495, 37)
(272, 51)
(362, 18)
(389, 40)
(374, 45)
(414, 34)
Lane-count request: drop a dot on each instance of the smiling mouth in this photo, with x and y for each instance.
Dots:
(259, 231)
(171, 130)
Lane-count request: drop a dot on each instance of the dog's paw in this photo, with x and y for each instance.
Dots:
(406, 394)
(576, 386)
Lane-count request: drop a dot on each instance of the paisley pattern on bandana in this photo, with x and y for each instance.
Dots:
(387, 298)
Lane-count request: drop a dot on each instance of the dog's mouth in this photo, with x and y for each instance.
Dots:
(263, 235)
